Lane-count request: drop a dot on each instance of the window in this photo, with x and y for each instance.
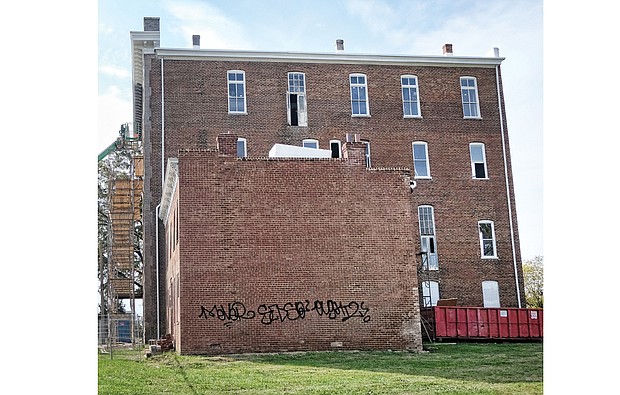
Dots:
(297, 114)
(367, 143)
(310, 143)
(478, 160)
(430, 293)
(336, 147)
(469, 94)
(236, 92)
(490, 294)
(359, 95)
(428, 245)
(421, 168)
(242, 148)
(487, 239)
(411, 104)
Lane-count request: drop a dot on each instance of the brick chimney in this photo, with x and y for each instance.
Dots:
(339, 45)
(227, 144)
(447, 49)
(151, 23)
(196, 41)
(354, 150)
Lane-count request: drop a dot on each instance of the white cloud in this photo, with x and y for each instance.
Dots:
(114, 71)
(216, 30)
(114, 110)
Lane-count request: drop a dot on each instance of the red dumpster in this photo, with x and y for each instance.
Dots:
(474, 323)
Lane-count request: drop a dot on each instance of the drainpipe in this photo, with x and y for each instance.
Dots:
(163, 141)
(157, 264)
(512, 233)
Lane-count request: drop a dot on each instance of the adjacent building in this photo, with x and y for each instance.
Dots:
(297, 188)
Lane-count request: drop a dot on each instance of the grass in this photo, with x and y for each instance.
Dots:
(463, 368)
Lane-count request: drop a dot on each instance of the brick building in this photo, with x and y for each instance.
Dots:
(441, 116)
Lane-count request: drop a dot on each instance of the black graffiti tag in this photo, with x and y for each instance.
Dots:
(289, 311)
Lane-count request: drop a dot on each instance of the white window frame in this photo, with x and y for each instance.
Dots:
(470, 103)
(409, 87)
(426, 160)
(474, 162)
(428, 239)
(236, 98)
(244, 151)
(430, 293)
(332, 142)
(296, 85)
(367, 143)
(310, 143)
(484, 241)
(490, 294)
(356, 87)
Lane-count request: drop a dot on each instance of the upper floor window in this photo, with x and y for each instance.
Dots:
(367, 143)
(297, 113)
(428, 245)
(486, 231)
(359, 95)
(469, 95)
(336, 147)
(242, 147)
(411, 103)
(430, 293)
(490, 294)
(478, 160)
(236, 92)
(421, 166)
(310, 143)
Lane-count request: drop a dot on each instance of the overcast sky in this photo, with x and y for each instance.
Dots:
(374, 26)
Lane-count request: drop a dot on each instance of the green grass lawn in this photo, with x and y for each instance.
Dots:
(464, 368)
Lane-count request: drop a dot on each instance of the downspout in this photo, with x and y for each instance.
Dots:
(157, 265)
(163, 140)
(512, 233)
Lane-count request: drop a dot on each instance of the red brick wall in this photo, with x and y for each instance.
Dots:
(196, 112)
(338, 234)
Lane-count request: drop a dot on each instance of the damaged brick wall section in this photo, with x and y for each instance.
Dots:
(294, 255)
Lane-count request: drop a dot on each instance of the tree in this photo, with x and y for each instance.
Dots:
(533, 278)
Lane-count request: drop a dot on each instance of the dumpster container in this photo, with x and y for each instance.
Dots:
(476, 323)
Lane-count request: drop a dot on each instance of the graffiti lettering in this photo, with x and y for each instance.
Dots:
(289, 311)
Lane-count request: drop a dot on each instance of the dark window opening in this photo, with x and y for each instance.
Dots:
(293, 107)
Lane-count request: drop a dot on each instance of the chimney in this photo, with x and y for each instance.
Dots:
(151, 23)
(339, 45)
(196, 41)
(354, 151)
(447, 49)
(227, 144)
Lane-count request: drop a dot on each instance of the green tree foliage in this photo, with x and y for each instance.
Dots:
(533, 278)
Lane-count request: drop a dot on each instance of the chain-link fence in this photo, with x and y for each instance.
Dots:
(120, 332)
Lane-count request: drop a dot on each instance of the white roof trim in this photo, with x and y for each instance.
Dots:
(339, 58)
(170, 185)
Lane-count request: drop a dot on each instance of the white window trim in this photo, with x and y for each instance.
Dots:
(228, 82)
(484, 161)
(304, 141)
(479, 116)
(245, 147)
(339, 146)
(365, 85)
(418, 95)
(368, 163)
(427, 292)
(428, 165)
(494, 256)
(435, 266)
(302, 101)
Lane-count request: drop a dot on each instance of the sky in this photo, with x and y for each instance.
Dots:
(409, 27)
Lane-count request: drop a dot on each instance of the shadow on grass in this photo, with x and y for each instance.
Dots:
(491, 363)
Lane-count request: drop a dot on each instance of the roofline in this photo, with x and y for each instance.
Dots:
(325, 57)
